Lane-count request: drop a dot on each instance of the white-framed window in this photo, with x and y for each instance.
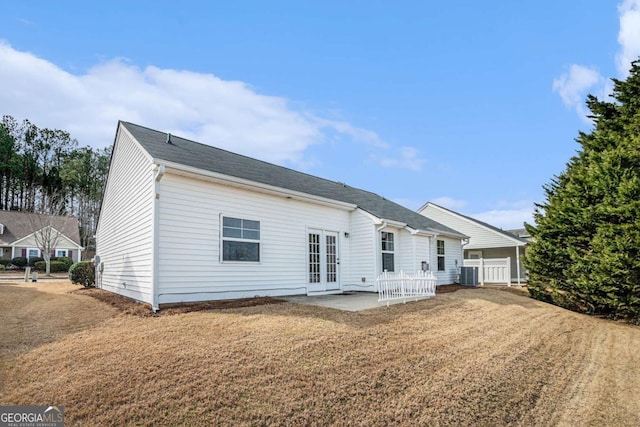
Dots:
(33, 253)
(240, 239)
(441, 263)
(388, 249)
(61, 252)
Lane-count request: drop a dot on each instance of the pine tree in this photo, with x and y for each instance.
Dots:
(585, 253)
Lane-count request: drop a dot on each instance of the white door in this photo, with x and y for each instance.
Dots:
(323, 272)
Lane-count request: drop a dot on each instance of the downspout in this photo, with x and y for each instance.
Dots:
(159, 173)
(378, 250)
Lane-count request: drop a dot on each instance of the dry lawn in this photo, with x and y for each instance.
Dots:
(471, 357)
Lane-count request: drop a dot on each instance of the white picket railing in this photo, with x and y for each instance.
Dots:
(402, 286)
(491, 270)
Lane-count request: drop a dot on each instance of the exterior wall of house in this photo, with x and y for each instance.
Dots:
(30, 243)
(362, 260)
(453, 259)
(504, 253)
(190, 233)
(480, 237)
(124, 235)
(411, 251)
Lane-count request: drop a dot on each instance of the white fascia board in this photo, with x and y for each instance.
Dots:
(419, 232)
(393, 223)
(374, 219)
(196, 173)
(17, 242)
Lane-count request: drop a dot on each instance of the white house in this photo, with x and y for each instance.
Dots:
(182, 221)
(18, 235)
(486, 242)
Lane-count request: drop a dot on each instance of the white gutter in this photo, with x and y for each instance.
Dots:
(382, 227)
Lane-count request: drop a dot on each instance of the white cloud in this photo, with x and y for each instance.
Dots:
(628, 36)
(407, 158)
(510, 215)
(573, 86)
(449, 203)
(203, 107)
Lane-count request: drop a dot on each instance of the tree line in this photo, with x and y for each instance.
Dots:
(44, 171)
(585, 253)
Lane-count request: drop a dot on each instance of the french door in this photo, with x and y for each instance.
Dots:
(322, 261)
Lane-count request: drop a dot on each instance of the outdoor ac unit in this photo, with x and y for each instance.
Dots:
(469, 276)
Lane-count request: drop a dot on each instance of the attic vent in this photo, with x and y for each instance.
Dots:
(169, 138)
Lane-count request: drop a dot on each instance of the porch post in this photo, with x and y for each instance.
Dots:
(518, 263)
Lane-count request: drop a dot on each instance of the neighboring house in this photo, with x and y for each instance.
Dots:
(485, 240)
(18, 229)
(182, 221)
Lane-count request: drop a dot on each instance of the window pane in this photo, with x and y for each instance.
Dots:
(231, 232)
(440, 247)
(251, 225)
(251, 234)
(240, 251)
(387, 262)
(440, 263)
(231, 222)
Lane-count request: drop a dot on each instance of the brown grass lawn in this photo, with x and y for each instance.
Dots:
(471, 357)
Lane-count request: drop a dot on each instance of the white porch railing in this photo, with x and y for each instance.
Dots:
(401, 286)
(491, 270)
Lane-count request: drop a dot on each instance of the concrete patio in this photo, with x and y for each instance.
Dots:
(349, 301)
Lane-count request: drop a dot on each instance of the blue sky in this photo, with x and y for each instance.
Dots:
(472, 105)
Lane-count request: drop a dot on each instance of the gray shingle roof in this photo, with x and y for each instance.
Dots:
(21, 224)
(189, 153)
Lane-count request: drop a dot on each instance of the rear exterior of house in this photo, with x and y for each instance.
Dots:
(486, 242)
(183, 222)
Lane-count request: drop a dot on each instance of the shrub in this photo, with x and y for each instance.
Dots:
(20, 261)
(2, 267)
(5, 261)
(83, 273)
(33, 260)
(54, 266)
(65, 260)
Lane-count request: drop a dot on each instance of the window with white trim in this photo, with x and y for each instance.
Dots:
(33, 253)
(61, 252)
(441, 263)
(240, 239)
(387, 248)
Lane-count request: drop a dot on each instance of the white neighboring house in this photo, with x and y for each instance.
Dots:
(486, 242)
(17, 235)
(182, 221)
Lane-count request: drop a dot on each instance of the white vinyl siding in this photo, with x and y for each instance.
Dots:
(125, 229)
(189, 240)
(452, 260)
(363, 253)
(480, 236)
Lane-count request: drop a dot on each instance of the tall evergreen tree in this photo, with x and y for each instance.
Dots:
(585, 253)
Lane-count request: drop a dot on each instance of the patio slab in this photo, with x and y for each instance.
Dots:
(349, 301)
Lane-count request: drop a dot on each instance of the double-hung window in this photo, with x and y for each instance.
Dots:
(387, 248)
(441, 264)
(240, 239)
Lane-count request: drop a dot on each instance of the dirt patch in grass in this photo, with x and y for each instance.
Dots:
(445, 289)
(471, 357)
(128, 306)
